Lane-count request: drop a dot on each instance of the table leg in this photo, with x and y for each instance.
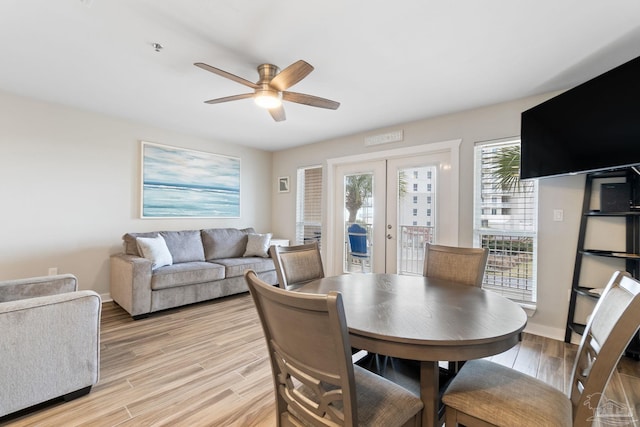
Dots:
(429, 387)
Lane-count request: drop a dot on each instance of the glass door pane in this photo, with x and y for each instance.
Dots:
(358, 222)
(358, 234)
(416, 222)
(420, 209)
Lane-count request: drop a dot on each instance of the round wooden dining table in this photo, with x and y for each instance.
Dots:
(426, 320)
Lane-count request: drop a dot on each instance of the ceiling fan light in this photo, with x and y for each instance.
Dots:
(268, 100)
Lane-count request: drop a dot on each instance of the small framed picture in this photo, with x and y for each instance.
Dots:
(283, 184)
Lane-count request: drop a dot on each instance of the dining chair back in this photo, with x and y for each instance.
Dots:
(297, 265)
(458, 264)
(614, 322)
(485, 393)
(314, 380)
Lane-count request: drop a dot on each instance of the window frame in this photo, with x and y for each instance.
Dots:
(302, 234)
(514, 241)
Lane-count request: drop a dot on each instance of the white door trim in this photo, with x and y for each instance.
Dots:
(328, 229)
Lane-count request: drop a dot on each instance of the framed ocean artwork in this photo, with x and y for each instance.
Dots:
(182, 183)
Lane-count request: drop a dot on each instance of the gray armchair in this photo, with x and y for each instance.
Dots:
(49, 341)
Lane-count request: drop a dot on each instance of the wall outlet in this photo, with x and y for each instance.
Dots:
(53, 271)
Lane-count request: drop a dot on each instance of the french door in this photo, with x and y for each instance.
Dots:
(401, 202)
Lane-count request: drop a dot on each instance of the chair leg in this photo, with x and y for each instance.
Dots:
(450, 417)
(454, 367)
(76, 394)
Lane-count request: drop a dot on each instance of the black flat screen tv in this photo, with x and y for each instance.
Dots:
(594, 126)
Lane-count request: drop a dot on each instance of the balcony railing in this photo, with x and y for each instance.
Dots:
(510, 266)
(411, 248)
(509, 270)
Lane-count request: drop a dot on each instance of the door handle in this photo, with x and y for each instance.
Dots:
(389, 236)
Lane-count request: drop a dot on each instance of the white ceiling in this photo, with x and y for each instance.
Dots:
(386, 63)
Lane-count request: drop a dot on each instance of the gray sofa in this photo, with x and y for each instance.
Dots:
(203, 265)
(49, 341)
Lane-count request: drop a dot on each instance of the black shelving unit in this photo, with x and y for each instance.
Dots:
(630, 256)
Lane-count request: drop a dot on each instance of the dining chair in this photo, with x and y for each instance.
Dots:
(297, 265)
(358, 248)
(458, 264)
(314, 381)
(485, 393)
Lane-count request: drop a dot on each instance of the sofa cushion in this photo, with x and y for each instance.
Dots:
(224, 242)
(258, 245)
(237, 266)
(155, 250)
(185, 246)
(130, 244)
(186, 273)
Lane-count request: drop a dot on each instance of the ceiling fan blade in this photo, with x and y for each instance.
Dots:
(227, 75)
(291, 75)
(229, 98)
(314, 101)
(278, 113)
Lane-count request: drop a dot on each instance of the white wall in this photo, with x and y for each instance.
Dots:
(70, 187)
(557, 242)
(70, 183)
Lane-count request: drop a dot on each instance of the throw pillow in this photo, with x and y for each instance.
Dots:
(185, 246)
(225, 242)
(155, 250)
(130, 244)
(258, 245)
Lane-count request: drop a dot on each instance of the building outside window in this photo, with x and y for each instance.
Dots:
(416, 215)
(505, 220)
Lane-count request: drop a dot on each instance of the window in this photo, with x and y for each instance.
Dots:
(505, 220)
(309, 205)
(415, 187)
(415, 212)
(428, 200)
(415, 174)
(429, 188)
(415, 200)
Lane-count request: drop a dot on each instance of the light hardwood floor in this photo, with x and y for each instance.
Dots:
(206, 365)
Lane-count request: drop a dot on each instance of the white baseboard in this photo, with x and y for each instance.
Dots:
(545, 331)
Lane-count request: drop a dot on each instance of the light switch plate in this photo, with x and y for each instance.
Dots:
(558, 215)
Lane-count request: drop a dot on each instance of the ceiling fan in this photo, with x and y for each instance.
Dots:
(271, 89)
